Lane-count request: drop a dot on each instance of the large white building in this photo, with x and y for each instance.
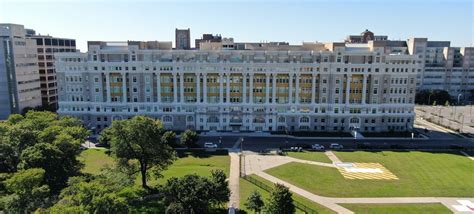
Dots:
(264, 87)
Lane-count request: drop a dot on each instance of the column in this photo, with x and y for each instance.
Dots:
(198, 88)
(204, 87)
(274, 87)
(124, 87)
(348, 87)
(251, 89)
(175, 88)
(228, 88)
(181, 87)
(364, 89)
(158, 87)
(313, 88)
(267, 88)
(244, 88)
(290, 88)
(107, 82)
(221, 88)
(297, 89)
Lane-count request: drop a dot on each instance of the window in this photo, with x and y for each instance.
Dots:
(167, 119)
(304, 120)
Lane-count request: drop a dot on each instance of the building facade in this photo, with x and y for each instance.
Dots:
(183, 38)
(444, 67)
(46, 47)
(311, 87)
(19, 77)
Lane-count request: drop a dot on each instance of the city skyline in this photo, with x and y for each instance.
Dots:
(158, 20)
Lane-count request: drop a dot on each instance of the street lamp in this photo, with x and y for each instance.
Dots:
(429, 99)
(241, 145)
(220, 140)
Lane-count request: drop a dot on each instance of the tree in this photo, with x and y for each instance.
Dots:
(189, 138)
(190, 193)
(140, 139)
(28, 191)
(52, 160)
(9, 157)
(170, 138)
(255, 202)
(111, 191)
(196, 194)
(220, 187)
(280, 201)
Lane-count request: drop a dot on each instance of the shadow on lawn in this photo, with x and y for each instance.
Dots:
(201, 153)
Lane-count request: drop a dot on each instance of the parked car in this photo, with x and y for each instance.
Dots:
(209, 145)
(336, 146)
(317, 147)
(296, 149)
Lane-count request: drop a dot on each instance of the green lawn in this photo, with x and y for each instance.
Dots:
(420, 174)
(94, 160)
(397, 208)
(311, 156)
(246, 188)
(196, 162)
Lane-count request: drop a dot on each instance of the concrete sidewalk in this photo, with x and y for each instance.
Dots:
(234, 180)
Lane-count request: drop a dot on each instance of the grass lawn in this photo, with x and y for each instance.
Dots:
(397, 208)
(311, 156)
(94, 160)
(420, 174)
(246, 188)
(195, 162)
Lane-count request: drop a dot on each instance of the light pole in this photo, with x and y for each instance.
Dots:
(429, 99)
(241, 145)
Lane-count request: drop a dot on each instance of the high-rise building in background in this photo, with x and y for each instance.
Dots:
(260, 87)
(442, 67)
(19, 72)
(183, 38)
(207, 38)
(46, 47)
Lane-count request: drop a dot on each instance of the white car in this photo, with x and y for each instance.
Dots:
(336, 146)
(210, 145)
(317, 147)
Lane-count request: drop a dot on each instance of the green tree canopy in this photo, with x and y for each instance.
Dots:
(255, 202)
(280, 201)
(140, 141)
(196, 194)
(27, 191)
(189, 138)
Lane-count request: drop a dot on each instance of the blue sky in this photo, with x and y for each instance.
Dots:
(292, 21)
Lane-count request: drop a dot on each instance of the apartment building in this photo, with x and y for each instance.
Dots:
(19, 77)
(335, 87)
(444, 67)
(46, 47)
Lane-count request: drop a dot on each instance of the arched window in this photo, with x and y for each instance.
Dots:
(281, 119)
(304, 120)
(354, 120)
(167, 119)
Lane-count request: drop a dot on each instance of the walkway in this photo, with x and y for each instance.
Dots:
(256, 164)
(332, 157)
(234, 179)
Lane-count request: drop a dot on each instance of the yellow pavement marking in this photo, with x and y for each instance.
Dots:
(385, 174)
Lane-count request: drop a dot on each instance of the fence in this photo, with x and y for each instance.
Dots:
(267, 188)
